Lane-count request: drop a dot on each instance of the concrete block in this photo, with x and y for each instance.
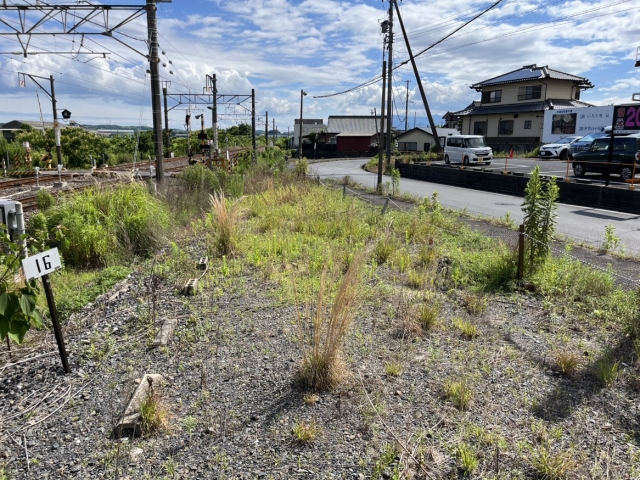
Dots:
(130, 420)
(191, 287)
(59, 184)
(165, 332)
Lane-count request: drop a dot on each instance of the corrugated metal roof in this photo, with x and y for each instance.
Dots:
(356, 134)
(442, 132)
(532, 72)
(522, 107)
(354, 124)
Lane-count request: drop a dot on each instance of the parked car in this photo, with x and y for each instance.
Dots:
(559, 149)
(626, 151)
(467, 149)
(585, 142)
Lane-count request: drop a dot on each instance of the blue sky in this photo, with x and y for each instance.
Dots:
(278, 47)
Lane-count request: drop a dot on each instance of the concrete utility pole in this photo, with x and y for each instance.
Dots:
(415, 71)
(390, 84)
(406, 113)
(214, 113)
(302, 95)
(154, 60)
(266, 129)
(56, 125)
(380, 150)
(273, 130)
(253, 124)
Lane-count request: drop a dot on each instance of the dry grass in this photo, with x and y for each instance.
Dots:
(224, 222)
(305, 432)
(428, 314)
(566, 362)
(310, 398)
(550, 466)
(475, 304)
(154, 414)
(322, 333)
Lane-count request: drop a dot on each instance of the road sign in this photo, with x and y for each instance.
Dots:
(41, 264)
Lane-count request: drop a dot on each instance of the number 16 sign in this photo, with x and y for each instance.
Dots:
(41, 265)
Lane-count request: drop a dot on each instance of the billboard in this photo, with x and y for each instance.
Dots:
(627, 119)
(575, 121)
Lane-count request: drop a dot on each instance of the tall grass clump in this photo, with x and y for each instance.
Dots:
(223, 221)
(101, 227)
(322, 332)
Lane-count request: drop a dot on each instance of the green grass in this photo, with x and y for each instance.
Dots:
(459, 392)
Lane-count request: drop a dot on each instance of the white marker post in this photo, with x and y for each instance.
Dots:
(41, 265)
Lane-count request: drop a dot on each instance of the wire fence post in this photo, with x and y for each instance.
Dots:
(386, 203)
(318, 180)
(521, 252)
(344, 190)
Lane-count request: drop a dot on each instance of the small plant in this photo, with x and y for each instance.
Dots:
(459, 392)
(305, 432)
(611, 240)
(465, 327)
(154, 414)
(383, 250)
(468, 461)
(428, 314)
(223, 221)
(301, 168)
(475, 304)
(427, 254)
(311, 398)
(44, 200)
(190, 424)
(417, 279)
(551, 466)
(607, 370)
(393, 369)
(386, 459)
(395, 181)
(566, 362)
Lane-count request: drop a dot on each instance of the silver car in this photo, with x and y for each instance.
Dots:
(559, 149)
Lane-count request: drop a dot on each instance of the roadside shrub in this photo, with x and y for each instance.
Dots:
(44, 200)
(108, 226)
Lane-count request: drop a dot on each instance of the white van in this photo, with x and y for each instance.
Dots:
(467, 150)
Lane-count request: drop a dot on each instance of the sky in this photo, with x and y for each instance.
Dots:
(279, 47)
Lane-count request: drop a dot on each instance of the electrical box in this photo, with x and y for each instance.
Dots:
(8, 216)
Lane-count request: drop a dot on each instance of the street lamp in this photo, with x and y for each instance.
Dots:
(302, 95)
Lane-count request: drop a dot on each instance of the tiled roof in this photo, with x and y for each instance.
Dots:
(442, 132)
(532, 72)
(354, 124)
(552, 103)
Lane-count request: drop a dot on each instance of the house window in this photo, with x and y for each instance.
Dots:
(529, 93)
(527, 124)
(479, 128)
(506, 127)
(492, 97)
(408, 146)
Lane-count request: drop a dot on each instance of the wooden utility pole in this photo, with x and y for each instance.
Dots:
(415, 71)
(390, 84)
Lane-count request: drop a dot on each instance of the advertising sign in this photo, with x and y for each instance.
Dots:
(575, 121)
(626, 119)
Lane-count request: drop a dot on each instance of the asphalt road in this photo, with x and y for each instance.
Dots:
(580, 223)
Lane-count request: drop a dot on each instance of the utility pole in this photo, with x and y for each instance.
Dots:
(390, 84)
(214, 113)
(274, 132)
(415, 71)
(406, 113)
(165, 84)
(266, 129)
(302, 95)
(56, 125)
(253, 124)
(154, 60)
(380, 150)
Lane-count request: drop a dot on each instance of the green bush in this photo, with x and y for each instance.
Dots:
(109, 226)
(44, 200)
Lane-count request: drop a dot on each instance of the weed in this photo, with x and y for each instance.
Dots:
(459, 392)
(566, 362)
(465, 327)
(154, 413)
(44, 200)
(417, 279)
(393, 369)
(311, 398)
(607, 370)
(551, 466)
(428, 314)
(305, 432)
(301, 168)
(190, 424)
(388, 456)
(468, 461)
(383, 250)
(223, 220)
(170, 466)
(611, 240)
(323, 334)
(427, 255)
(475, 304)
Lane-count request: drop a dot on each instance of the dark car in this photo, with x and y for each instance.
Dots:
(585, 142)
(595, 159)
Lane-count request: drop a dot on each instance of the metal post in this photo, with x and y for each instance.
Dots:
(302, 94)
(521, 252)
(253, 124)
(406, 112)
(56, 125)
(4, 168)
(154, 60)
(386, 204)
(166, 119)
(266, 129)
(380, 150)
(390, 85)
(38, 177)
(214, 114)
(7, 165)
(56, 323)
(20, 230)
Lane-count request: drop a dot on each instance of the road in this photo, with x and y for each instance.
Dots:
(580, 223)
